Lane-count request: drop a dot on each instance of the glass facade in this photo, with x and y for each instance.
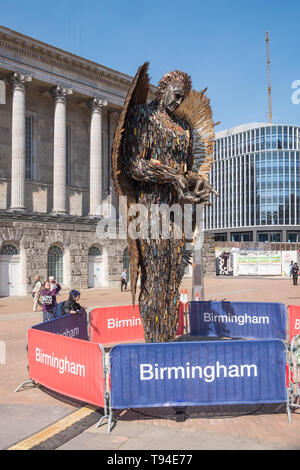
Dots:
(257, 175)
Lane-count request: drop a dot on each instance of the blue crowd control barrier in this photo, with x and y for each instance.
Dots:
(72, 325)
(238, 319)
(198, 373)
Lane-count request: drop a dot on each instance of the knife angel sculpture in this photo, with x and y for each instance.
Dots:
(161, 157)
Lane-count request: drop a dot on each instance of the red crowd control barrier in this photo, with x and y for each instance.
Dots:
(294, 321)
(110, 325)
(180, 327)
(116, 324)
(69, 366)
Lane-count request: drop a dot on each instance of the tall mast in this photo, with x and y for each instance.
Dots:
(269, 77)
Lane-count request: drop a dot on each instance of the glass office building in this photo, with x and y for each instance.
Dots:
(257, 175)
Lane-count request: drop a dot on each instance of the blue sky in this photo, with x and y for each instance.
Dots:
(220, 43)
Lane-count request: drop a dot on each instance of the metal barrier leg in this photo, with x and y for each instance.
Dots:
(107, 414)
(34, 384)
(109, 422)
(288, 410)
(186, 318)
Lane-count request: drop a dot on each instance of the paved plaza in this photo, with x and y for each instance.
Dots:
(240, 428)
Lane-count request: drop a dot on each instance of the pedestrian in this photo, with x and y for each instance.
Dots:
(48, 297)
(291, 267)
(36, 293)
(52, 282)
(71, 305)
(123, 280)
(295, 272)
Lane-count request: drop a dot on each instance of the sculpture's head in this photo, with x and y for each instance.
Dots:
(173, 88)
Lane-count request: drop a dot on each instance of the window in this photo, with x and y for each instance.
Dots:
(293, 237)
(55, 263)
(28, 147)
(262, 138)
(290, 131)
(246, 237)
(9, 250)
(275, 237)
(220, 237)
(241, 237)
(95, 251)
(235, 237)
(68, 148)
(285, 138)
(257, 139)
(274, 137)
(268, 138)
(252, 141)
(263, 237)
(280, 137)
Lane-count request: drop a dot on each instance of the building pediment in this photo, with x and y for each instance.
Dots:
(44, 53)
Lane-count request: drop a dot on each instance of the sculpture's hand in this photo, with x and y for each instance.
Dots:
(182, 188)
(181, 181)
(190, 197)
(198, 191)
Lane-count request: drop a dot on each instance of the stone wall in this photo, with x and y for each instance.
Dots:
(209, 258)
(34, 237)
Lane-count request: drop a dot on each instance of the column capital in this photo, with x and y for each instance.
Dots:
(61, 93)
(96, 104)
(19, 80)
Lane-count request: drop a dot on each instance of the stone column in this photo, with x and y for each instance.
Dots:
(18, 82)
(112, 124)
(96, 156)
(59, 155)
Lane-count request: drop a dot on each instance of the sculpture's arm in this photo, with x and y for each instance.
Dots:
(153, 171)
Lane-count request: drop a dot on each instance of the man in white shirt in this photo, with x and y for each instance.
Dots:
(123, 280)
(36, 292)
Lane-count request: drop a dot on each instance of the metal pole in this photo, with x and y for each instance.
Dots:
(198, 277)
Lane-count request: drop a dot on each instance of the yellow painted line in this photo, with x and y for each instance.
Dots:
(52, 430)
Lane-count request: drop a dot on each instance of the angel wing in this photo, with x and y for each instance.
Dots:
(137, 94)
(124, 186)
(197, 111)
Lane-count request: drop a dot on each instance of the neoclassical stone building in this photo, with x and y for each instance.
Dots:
(58, 113)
